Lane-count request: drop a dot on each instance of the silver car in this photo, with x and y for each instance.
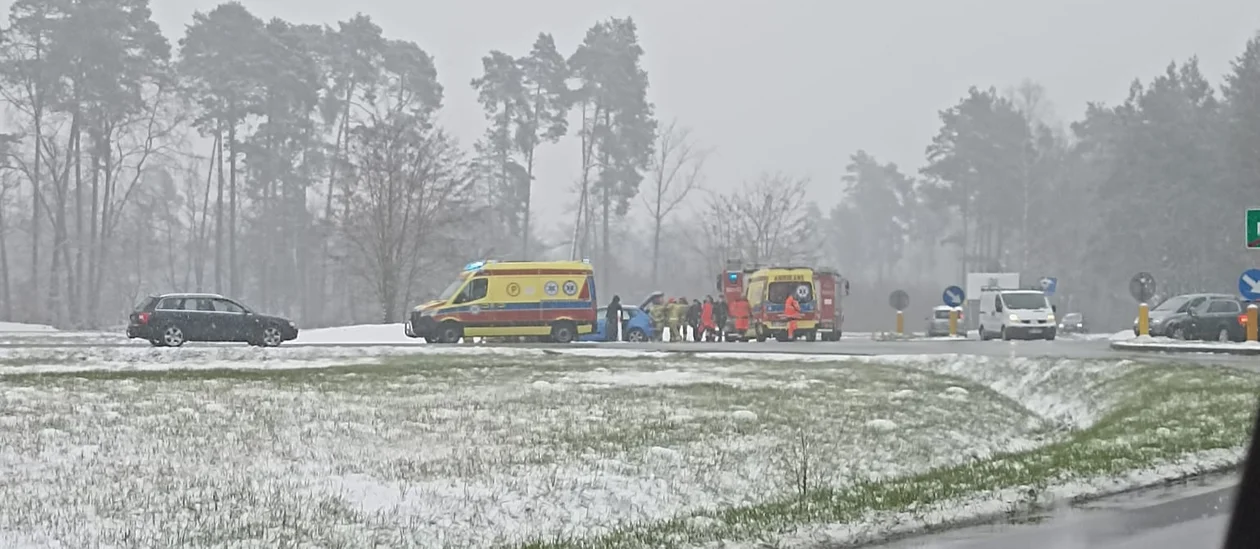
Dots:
(938, 323)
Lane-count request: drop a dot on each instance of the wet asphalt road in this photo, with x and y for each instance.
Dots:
(858, 345)
(1193, 515)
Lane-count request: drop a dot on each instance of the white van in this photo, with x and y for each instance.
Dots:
(1010, 314)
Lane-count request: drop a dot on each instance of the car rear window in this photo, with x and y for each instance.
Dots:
(147, 304)
(943, 313)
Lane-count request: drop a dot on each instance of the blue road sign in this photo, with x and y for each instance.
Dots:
(1048, 284)
(1249, 284)
(954, 296)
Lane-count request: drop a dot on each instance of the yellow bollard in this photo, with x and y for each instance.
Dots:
(953, 323)
(1252, 322)
(1144, 320)
(901, 323)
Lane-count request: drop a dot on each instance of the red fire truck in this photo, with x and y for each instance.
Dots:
(831, 291)
(731, 286)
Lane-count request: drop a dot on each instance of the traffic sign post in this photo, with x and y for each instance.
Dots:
(1249, 284)
(1142, 288)
(954, 296)
(1253, 322)
(1049, 284)
(1253, 229)
(899, 300)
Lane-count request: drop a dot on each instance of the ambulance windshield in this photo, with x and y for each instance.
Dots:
(449, 292)
(802, 291)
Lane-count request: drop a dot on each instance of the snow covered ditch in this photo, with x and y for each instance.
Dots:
(490, 446)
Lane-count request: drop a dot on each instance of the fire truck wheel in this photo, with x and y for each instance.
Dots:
(811, 337)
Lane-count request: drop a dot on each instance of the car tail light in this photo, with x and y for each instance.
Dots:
(1242, 319)
(143, 318)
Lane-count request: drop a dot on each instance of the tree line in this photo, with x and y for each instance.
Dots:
(1157, 183)
(300, 167)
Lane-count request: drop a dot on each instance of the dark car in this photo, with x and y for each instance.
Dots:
(170, 320)
(1219, 319)
(1073, 323)
(1169, 317)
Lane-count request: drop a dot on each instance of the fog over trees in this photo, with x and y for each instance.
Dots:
(303, 169)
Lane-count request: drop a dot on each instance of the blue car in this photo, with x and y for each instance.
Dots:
(637, 329)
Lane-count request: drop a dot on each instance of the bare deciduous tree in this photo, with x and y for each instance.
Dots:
(676, 170)
(410, 186)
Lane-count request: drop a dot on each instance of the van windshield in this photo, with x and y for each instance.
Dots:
(1025, 301)
(779, 291)
(1172, 304)
(449, 292)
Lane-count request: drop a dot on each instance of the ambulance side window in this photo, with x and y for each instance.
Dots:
(477, 289)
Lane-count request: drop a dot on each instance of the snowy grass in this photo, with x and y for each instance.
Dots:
(572, 451)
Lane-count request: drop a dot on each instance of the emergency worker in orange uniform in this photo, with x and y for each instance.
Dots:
(739, 311)
(792, 311)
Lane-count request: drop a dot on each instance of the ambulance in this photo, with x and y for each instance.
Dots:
(552, 300)
(767, 291)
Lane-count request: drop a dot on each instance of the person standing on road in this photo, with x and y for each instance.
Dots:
(659, 314)
(707, 328)
(612, 320)
(677, 310)
(720, 314)
(791, 311)
(693, 319)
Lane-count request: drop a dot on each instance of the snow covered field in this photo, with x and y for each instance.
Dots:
(479, 447)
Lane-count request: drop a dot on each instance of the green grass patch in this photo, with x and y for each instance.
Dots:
(1164, 413)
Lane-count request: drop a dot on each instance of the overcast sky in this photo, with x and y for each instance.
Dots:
(798, 85)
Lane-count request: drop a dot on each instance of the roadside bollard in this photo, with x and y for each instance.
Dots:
(1252, 312)
(953, 322)
(1144, 320)
(901, 323)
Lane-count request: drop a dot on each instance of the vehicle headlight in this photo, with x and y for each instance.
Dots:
(1013, 317)
(1050, 317)
(292, 324)
(1156, 321)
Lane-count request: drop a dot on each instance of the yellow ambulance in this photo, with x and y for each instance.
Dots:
(554, 300)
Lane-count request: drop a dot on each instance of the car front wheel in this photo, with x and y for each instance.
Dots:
(636, 335)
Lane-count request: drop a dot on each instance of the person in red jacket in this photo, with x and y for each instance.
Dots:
(707, 328)
(738, 311)
(792, 311)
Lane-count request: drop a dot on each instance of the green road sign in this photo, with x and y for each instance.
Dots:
(1253, 229)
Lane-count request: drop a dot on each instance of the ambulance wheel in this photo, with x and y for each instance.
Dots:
(450, 332)
(563, 332)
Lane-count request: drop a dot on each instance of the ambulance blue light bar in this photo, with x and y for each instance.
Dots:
(477, 265)
(733, 277)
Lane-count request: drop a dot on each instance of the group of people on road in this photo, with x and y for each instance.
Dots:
(695, 320)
